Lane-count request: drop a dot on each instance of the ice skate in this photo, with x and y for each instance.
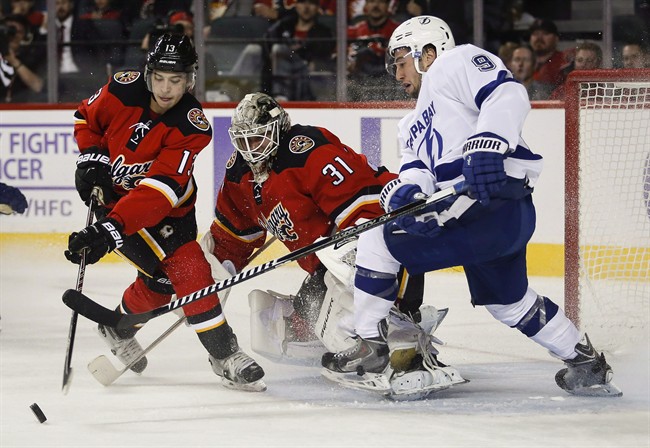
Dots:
(239, 371)
(588, 373)
(366, 355)
(125, 349)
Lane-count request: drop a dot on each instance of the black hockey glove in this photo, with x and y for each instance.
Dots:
(483, 156)
(94, 172)
(97, 240)
(13, 199)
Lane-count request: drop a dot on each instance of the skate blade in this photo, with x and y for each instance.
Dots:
(255, 386)
(598, 390)
(374, 382)
(419, 384)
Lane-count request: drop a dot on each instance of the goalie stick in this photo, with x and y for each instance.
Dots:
(103, 370)
(67, 367)
(97, 313)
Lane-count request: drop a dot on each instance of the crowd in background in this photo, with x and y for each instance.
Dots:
(286, 48)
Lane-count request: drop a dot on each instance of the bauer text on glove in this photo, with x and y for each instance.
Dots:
(97, 240)
(94, 172)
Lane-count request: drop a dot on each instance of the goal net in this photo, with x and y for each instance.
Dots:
(607, 222)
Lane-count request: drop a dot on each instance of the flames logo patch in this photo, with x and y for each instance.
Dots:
(300, 144)
(126, 77)
(198, 119)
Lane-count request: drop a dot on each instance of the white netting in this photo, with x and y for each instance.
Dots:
(614, 212)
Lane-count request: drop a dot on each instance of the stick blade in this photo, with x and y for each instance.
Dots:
(89, 309)
(103, 371)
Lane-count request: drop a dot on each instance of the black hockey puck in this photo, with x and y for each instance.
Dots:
(38, 413)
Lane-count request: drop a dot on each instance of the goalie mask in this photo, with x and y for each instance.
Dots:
(415, 34)
(256, 129)
(172, 53)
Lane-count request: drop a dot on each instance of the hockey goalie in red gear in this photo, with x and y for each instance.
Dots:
(139, 136)
(298, 183)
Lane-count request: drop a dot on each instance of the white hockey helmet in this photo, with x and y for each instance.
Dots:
(415, 34)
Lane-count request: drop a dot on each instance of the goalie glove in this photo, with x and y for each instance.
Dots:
(94, 173)
(97, 240)
(483, 169)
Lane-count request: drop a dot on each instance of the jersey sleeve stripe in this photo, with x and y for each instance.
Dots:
(448, 171)
(350, 210)
(417, 164)
(162, 188)
(189, 192)
(241, 236)
(490, 87)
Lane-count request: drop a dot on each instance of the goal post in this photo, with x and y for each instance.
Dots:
(607, 204)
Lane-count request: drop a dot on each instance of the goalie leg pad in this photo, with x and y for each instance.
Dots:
(268, 322)
(340, 261)
(335, 324)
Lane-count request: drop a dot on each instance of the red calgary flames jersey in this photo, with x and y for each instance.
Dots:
(151, 155)
(316, 185)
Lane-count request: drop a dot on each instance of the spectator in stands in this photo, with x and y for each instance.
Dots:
(588, 56)
(367, 40)
(177, 21)
(27, 8)
(79, 69)
(102, 10)
(22, 64)
(636, 55)
(273, 10)
(505, 51)
(451, 12)
(299, 46)
(544, 38)
(230, 8)
(521, 64)
(520, 18)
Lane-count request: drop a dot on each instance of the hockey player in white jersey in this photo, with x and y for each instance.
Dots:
(466, 126)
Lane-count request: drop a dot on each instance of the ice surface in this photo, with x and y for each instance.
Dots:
(511, 401)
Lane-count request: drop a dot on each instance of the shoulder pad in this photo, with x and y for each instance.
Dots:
(188, 117)
(129, 87)
(236, 167)
(296, 146)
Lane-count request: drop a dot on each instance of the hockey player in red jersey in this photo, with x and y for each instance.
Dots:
(139, 136)
(298, 183)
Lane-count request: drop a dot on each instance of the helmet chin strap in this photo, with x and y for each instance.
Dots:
(260, 170)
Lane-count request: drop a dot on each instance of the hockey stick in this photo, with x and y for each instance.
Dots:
(97, 313)
(67, 367)
(103, 370)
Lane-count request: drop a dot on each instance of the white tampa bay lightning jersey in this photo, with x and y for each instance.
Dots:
(466, 91)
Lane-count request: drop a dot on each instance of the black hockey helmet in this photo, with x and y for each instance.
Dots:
(172, 53)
